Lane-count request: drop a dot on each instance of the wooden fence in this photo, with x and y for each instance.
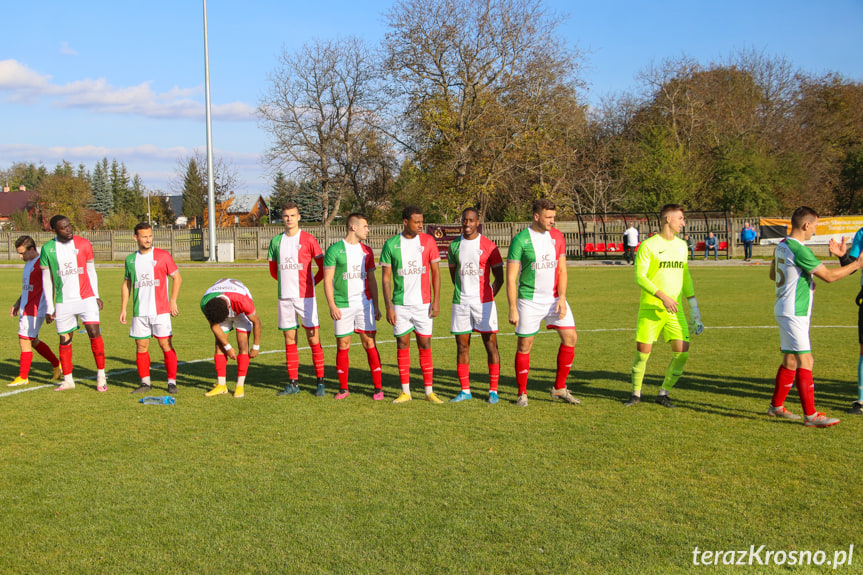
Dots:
(253, 243)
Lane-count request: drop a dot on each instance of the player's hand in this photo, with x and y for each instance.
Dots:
(377, 314)
(13, 311)
(838, 249)
(253, 353)
(391, 316)
(123, 316)
(232, 353)
(695, 325)
(434, 309)
(669, 303)
(335, 313)
(99, 301)
(175, 311)
(513, 316)
(49, 318)
(560, 308)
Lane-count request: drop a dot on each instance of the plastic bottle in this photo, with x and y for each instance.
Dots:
(160, 400)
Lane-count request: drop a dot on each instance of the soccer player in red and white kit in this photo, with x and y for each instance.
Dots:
(352, 296)
(411, 281)
(227, 305)
(146, 279)
(31, 306)
(291, 254)
(72, 292)
(536, 281)
(472, 258)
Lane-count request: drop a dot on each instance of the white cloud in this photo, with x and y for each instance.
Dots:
(66, 50)
(21, 84)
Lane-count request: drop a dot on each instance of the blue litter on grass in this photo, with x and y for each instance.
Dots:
(159, 400)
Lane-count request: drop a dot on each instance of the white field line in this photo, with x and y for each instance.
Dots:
(601, 330)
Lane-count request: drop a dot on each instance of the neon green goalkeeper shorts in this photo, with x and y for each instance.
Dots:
(652, 322)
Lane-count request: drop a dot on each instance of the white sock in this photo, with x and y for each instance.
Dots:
(429, 390)
(145, 380)
(68, 380)
(663, 392)
(406, 388)
(222, 380)
(241, 381)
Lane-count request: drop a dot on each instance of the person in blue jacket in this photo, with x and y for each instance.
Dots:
(747, 236)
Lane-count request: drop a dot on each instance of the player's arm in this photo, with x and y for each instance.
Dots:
(831, 275)
(451, 263)
(257, 328)
(13, 311)
(387, 281)
(125, 290)
(772, 271)
(512, 269)
(562, 282)
(319, 259)
(434, 309)
(176, 281)
(222, 341)
(329, 292)
(696, 326)
(48, 290)
(94, 281)
(497, 274)
(642, 265)
(373, 291)
(274, 270)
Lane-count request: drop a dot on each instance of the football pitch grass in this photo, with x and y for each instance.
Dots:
(98, 483)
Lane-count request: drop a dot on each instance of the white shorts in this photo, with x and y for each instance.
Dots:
(304, 307)
(66, 314)
(158, 326)
(532, 314)
(360, 319)
(413, 318)
(29, 326)
(794, 334)
(240, 322)
(469, 317)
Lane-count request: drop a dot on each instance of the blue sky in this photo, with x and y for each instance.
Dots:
(79, 81)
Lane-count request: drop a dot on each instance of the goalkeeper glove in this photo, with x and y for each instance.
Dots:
(695, 325)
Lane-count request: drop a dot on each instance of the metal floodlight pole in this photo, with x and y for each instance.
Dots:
(211, 194)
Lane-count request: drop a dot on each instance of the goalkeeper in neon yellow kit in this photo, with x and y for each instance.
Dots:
(662, 273)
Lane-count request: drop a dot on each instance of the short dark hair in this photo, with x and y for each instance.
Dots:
(802, 215)
(470, 209)
(216, 310)
(667, 209)
(56, 220)
(409, 211)
(541, 204)
(25, 241)
(142, 226)
(353, 217)
(290, 205)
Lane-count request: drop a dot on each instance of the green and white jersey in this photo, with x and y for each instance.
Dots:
(352, 264)
(410, 260)
(538, 254)
(795, 285)
(148, 273)
(662, 264)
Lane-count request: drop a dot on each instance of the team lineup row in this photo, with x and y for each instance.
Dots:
(535, 280)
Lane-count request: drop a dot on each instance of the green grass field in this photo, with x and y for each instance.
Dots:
(99, 483)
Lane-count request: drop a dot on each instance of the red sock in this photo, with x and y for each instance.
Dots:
(45, 351)
(343, 364)
(522, 369)
(784, 383)
(26, 361)
(493, 376)
(404, 360)
(375, 366)
(565, 355)
(318, 359)
(426, 366)
(66, 358)
(463, 370)
(171, 364)
(806, 390)
(242, 364)
(221, 362)
(97, 344)
(142, 360)
(292, 359)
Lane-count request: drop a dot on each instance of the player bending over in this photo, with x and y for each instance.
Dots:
(227, 305)
(31, 306)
